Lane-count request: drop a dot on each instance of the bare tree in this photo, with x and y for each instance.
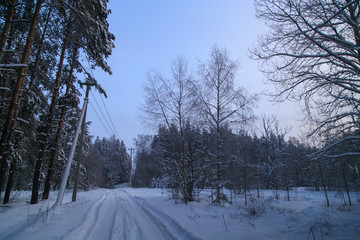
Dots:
(171, 101)
(222, 105)
(274, 151)
(312, 53)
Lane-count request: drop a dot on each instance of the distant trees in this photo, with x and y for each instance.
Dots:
(268, 161)
(115, 161)
(247, 161)
(148, 167)
(202, 141)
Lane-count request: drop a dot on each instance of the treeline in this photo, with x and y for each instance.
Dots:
(267, 161)
(109, 161)
(43, 46)
(202, 140)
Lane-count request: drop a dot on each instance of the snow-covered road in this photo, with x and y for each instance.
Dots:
(113, 214)
(102, 219)
(118, 215)
(127, 213)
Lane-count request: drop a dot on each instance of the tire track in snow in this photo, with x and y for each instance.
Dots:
(117, 224)
(83, 230)
(102, 229)
(117, 230)
(125, 225)
(170, 228)
(118, 215)
(173, 226)
(146, 227)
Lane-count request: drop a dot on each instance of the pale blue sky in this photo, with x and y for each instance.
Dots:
(149, 34)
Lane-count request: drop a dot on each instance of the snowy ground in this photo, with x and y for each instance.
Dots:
(126, 213)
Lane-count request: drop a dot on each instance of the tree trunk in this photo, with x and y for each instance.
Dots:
(323, 183)
(7, 26)
(339, 187)
(78, 164)
(16, 98)
(191, 181)
(316, 185)
(4, 165)
(54, 153)
(218, 172)
(43, 143)
(183, 164)
(218, 142)
(245, 175)
(4, 82)
(287, 186)
(10, 181)
(10, 177)
(3, 170)
(345, 183)
(257, 179)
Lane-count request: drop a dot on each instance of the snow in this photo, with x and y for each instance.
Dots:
(126, 213)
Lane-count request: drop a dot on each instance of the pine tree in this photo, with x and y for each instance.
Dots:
(67, 100)
(10, 120)
(49, 118)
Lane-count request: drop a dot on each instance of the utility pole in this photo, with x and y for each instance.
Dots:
(131, 164)
(73, 147)
(77, 171)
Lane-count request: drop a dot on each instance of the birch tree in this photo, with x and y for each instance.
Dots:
(171, 101)
(223, 104)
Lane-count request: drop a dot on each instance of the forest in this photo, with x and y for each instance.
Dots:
(44, 52)
(207, 135)
(209, 138)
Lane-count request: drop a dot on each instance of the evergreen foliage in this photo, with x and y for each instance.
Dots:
(115, 161)
(40, 45)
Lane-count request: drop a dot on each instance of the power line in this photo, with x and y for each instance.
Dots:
(99, 118)
(102, 123)
(102, 113)
(112, 123)
(112, 126)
